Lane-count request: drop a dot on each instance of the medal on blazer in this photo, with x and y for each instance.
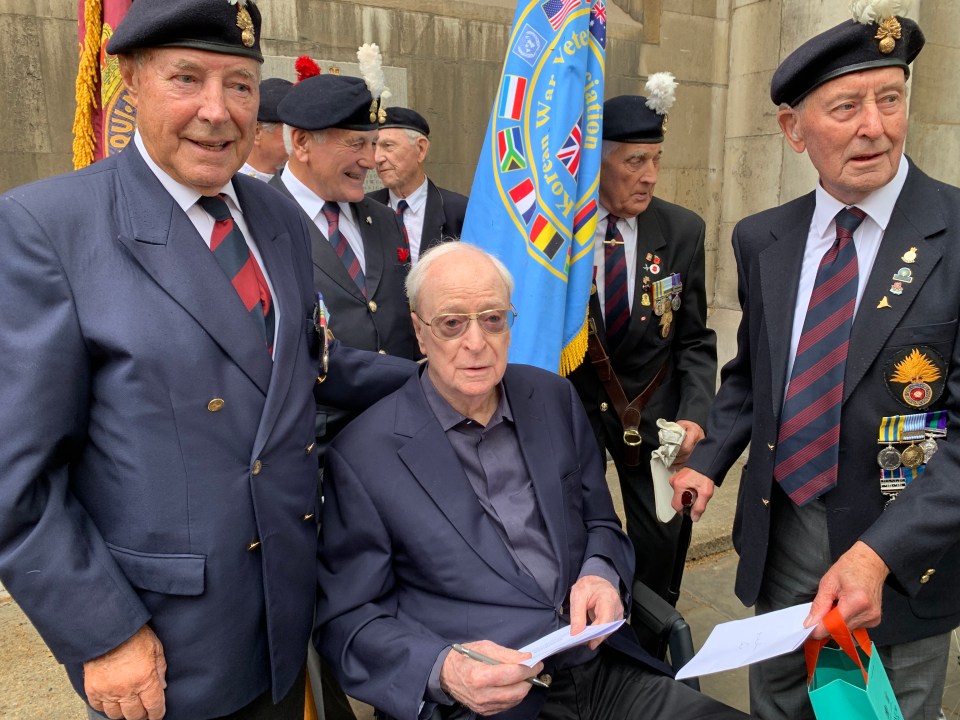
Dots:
(915, 376)
(891, 429)
(920, 430)
(321, 318)
(666, 300)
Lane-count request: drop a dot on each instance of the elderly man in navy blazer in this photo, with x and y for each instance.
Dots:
(845, 383)
(471, 507)
(158, 497)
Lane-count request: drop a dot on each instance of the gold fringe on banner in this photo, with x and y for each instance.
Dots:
(572, 355)
(84, 141)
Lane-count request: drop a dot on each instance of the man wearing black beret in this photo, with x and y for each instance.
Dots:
(158, 500)
(429, 213)
(269, 154)
(651, 354)
(360, 256)
(845, 383)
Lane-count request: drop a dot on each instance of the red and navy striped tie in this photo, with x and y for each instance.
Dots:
(402, 207)
(331, 211)
(230, 249)
(809, 438)
(616, 300)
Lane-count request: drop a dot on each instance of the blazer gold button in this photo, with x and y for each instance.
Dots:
(215, 404)
(925, 578)
(604, 407)
(310, 447)
(765, 501)
(771, 446)
(253, 546)
(372, 305)
(382, 351)
(321, 379)
(257, 467)
(308, 517)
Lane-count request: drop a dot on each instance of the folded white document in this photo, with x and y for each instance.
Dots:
(744, 642)
(560, 640)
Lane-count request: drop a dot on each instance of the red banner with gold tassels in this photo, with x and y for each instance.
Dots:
(104, 121)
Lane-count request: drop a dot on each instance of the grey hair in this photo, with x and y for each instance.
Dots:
(414, 283)
(269, 127)
(318, 136)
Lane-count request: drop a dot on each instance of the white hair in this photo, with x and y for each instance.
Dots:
(318, 136)
(415, 278)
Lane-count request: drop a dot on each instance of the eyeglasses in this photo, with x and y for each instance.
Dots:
(450, 326)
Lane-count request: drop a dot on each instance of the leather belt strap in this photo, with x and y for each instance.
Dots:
(627, 410)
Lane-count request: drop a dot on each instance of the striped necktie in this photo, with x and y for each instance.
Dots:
(808, 442)
(230, 249)
(331, 211)
(616, 300)
(401, 209)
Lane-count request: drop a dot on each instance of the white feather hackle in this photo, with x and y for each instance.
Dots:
(242, 3)
(871, 11)
(371, 68)
(661, 92)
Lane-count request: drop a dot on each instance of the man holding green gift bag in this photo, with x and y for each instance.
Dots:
(846, 382)
(849, 682)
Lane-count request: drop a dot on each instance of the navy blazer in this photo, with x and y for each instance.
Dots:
(919, 532)
(158, 466)
(410, 563)
(442, 217)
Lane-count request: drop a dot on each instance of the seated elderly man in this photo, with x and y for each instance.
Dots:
(470, 507)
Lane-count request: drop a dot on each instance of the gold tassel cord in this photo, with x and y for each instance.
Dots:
(84, 142)
(572, 355)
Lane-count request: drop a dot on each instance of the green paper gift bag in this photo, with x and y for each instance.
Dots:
(849, 682)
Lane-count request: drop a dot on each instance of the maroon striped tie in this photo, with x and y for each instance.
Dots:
(616, 300)
(230, 249)
(331, 211)
(401, 209)
(808, 442)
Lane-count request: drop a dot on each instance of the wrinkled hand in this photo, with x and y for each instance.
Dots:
(128, 681)
(855, 585)
(701, 485)
(690, 440)
(487, 689)
(593, 601)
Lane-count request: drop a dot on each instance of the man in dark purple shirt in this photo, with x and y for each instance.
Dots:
(470, 507)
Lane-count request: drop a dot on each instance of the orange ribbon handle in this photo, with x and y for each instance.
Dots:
(843, 636)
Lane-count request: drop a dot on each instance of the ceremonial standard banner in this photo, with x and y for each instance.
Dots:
(104, 121)
(534, 196)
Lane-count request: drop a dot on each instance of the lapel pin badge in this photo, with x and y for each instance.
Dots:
(883, 303)
(910, 256)
(369, 220)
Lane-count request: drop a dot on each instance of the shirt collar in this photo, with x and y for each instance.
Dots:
(186, 197)
(450, 418)
(878, 205)
(602, 218)
(415, 200)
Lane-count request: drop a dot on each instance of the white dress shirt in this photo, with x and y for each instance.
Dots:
(413, 216)
(823, 233)
(187, 197)
(628, 229)
(312, 205)
(250, 170)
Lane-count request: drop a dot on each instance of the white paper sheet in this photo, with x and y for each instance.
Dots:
(560, 640)
(743, 642)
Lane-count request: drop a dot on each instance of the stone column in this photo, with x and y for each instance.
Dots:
(933, 140)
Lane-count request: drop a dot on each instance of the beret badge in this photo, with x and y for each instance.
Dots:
(888, 33)
(883, 13)
(244, 22)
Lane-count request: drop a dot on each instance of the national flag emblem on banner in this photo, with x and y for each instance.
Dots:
(510, 149)
(524, 196)
(105, 118)
(511, 98)
(534, 198)
(598, 23)
(569, 154)
(558, 10)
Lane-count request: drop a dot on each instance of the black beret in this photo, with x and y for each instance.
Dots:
(328, 101)
(214, 25)
(847, 48)
(272, 91)
(627, 119)
(399, 117)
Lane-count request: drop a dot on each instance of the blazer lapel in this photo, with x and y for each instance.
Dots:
(914, 219)
(780, 265)
(431, 459)
(374, 246)
(538, 454)
(434, 219)
(167, 246)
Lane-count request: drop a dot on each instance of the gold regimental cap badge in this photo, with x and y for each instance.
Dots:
(888, 33)
(245, 23)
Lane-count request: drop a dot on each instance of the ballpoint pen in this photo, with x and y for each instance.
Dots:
(543, 682)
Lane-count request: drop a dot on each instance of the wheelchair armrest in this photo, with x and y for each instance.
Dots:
(663, 621)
